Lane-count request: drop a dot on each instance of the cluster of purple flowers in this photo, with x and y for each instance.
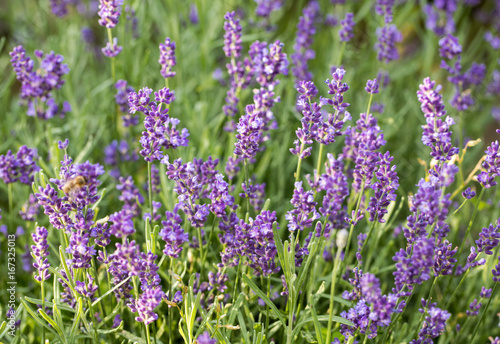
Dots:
(40, 251)
(37, 84)
(387, 35)
(167, 58)
(491, 165)
(315, 126)
(372, 309)
(434, 324)
(161, 131)
(121, 98)
(302, 48)
(450, 52)
(440, 16)
(117, 152)
(265, 7)
(347, 27)
(30, 209)
(255, 241)
(109, 13)
(172, 233)
(20, 167)
(436, 134)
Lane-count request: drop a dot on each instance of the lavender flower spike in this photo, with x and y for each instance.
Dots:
(232, 37)
(167, 58)
(39, 251)
(345, 33)
(109, 11)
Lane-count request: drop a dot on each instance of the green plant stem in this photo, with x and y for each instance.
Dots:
(267, 306)
(332, 294)
(369, 103)
(200, 239)
(148, 336)
(247, 184)
(43, 307)
(368, 236)
(9, 192)
(170, 310)
(426, 305)
(351, 229)
(456, 289)
(484, 312)
(341, 54)
(320, 158)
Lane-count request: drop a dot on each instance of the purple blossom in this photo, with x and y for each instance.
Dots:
(123, 225)
(167, 58)
(56, 208)
(372, 86)
(148, 275)
(474, 308)
(37, 84)
(79, 244)
(496, 271)
(232, 37)
(40, 251)
(109, 11)
(302, 48)
(112, 49)
(101, 234)
(30, 209)
(204, 338)
(443, 261)
(130, 195)
(491, 166)
(436, 134)
(304, 212)
(468, 193)
(489, 238)
(255, 192)
(221, 199)
(193, 14)
(384, 8)
(20, 167)
(63, 144)
(121, 98)
(492, 39)
(117, 152)
(145, 305)
(434, 324)
(485, 293)
(264, 9)
(268, 61)
(440, 17)
(161, 129)
(86, 289)
(345, 33)
(249, 135)
(173, 234)
(387, 37)
(123, 263)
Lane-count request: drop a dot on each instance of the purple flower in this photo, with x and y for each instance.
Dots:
(193, 14)
(436, 134)
(63, 144)
(204, 338)
(40, 251)
(20, 167)
(255, 192)
(30, 209)
(384, 8)
(304, 212)
(268, 61)
(121, 98)
(232, 37)
(496, 272)
(220, 196)
(117, 152)
(372, 86)
(37, 84)
(434, 324)
(492, 39)
(86, 289)
(485, 293)
(112, 49)
(474, 308)
(491, 166)
(79, 243)
(302, 48)
(387, 37)
(264, 9)
(468, 193)
(249, 135)
(123, 225)
(489, 238)
(440, 17)
(173, 234)
(130, 195)
(443, 261)
(167, 58)
(146, 304)
(345, 33)
(109, 11)
(122, 264)
(450, 50)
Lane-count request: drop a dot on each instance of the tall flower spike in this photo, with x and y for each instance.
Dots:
(302, 48)
(491, 165)
(436, 134)
(232, 37)
(40, 251)
(345, 33)
(167, 58)
(109, 11)
(20, 167)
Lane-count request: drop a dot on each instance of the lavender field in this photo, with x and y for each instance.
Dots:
(266, 171)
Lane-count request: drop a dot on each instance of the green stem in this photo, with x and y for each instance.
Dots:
(267, 307)
(456, 289)
(43, 307)
(247, 184)
(9, 192)
(148, 336)
(351, 230)
(170, 310)
(320, 158)
(332, 294)
(484, 312)
(339, 58)
(369, 103)
(200, 239)
(426, 305)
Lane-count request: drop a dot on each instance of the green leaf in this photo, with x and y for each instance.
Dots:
(37, 318)
(244, 332)
(206, 318)
(76, 320)
(110, 291)
(131, 337)
(317, 326)
(279, 247)
(265, 299)
(335, 318)
(48, 304)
